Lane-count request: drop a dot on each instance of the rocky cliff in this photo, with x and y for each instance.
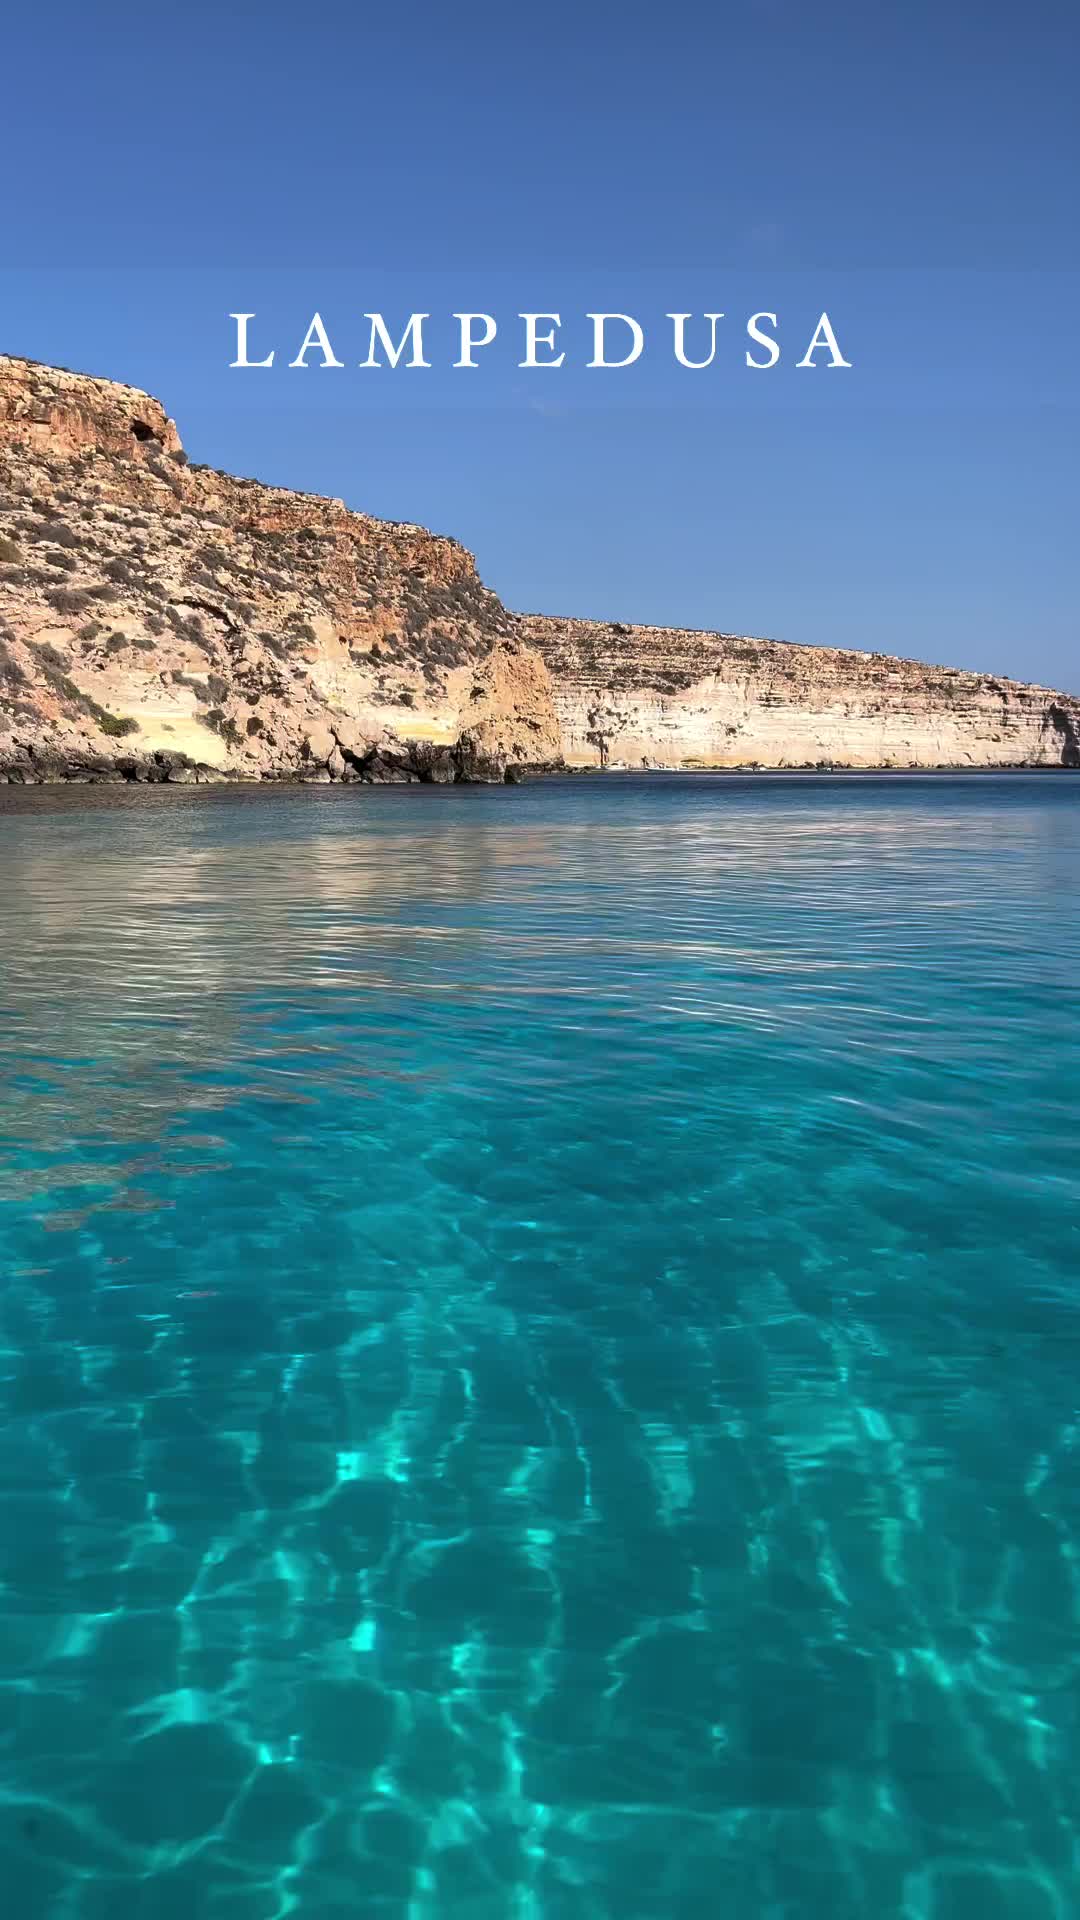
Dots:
(163, 621)
(652, 696)
(160, 620)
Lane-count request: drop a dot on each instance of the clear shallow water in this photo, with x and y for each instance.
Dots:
(540, 1352)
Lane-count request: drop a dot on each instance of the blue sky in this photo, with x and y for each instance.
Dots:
(912, 169)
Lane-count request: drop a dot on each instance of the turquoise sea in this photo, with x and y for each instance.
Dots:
(540, 1351)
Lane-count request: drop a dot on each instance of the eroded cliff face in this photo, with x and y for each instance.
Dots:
(164, 621)
(657, 697)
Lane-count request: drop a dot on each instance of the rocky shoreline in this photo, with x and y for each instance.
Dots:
(164, 623)
(400, 763)
(162, 769)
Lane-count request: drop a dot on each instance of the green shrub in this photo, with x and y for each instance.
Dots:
(116, 725)
(52, 657)
(197, 687)
(64, 536)
(223, 725)
(70, 600)
(11, 674)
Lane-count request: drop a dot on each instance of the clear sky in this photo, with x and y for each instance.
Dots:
(912, 168)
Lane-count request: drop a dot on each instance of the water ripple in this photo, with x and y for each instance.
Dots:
(538, 1355)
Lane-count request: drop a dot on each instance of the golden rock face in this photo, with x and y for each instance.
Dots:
(162, 620)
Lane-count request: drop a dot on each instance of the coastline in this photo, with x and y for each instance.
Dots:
(224, 783)
(167, 623)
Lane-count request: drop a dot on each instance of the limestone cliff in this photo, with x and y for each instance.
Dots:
(161, 620)
(652, 696)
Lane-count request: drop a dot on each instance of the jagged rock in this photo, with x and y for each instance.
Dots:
(320, 745)
(350, 736)
(149, 607)
(381, 771)
(430, 762)
(477, 762)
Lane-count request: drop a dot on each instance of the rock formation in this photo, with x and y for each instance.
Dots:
(656, 697)
(162, 621)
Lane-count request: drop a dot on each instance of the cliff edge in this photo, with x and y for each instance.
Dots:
(662, 697)
(160, 620)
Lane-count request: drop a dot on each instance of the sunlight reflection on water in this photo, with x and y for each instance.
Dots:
(538, 1366)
